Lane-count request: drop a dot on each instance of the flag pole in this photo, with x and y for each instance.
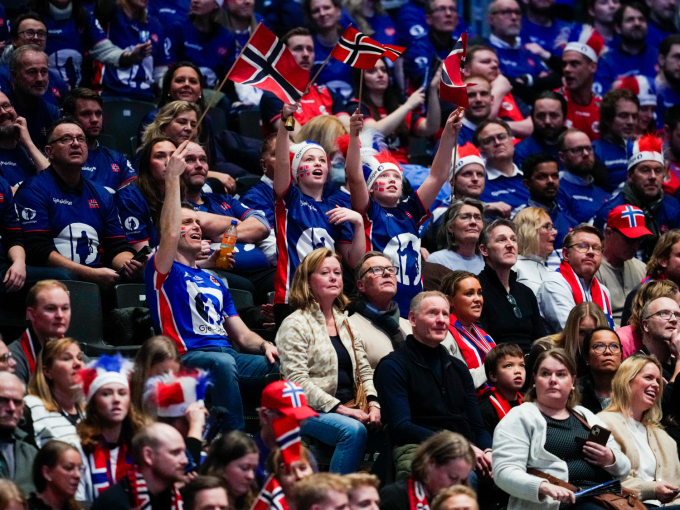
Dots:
(455, 157)
(311, 82)
(361, 89)
(226, 76)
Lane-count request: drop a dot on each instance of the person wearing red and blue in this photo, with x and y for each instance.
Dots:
(411, 23)
(540, 26)
(195, 309)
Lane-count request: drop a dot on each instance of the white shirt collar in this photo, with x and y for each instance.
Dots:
(268, 181)
(493, 174)
(500, 43)
(469, 124)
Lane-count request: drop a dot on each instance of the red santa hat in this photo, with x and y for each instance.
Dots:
(172, 394)
(647, 148)
(375, 164)
(105, 370)
(587, 42)
(467, 154)
(639, 85)
(297, 152)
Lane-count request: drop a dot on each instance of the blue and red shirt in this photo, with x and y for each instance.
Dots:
(580, 196)
(515, 61)
(261, 198)
(15, 165)
(57, 88)
(383, 26)
(135, 215)
(188, 305)
(39, 118)
(501, 188)
(616, 63)
(108, 168)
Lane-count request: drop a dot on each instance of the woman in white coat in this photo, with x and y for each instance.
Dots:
(541, 434)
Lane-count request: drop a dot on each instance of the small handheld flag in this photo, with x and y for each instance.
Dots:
(357, 50)
(271, 496)
(287, 432)
(393, 52)
(452, 87)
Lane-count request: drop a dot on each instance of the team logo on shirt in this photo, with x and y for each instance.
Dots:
(78, 242)
(93, 204)
(390, 31)
(417, 31)
(314, 238)
(115, 167)
(214, 280)
(225, 206)
(221, 51)
(28, 214)
(131, 224)
(404, 251)
(154, 38)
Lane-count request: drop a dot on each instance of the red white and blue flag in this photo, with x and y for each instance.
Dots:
(632, 215)
(266, 63)
(452, 87)
(287, 432)
(357, 50)
(271, 496)
(393, 52)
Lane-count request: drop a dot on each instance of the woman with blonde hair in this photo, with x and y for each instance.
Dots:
(535, 242)
(634, 417)
(324, 130)
(322, 352)
(53, 397)
(177, 120)
(157, 356)
(11, 496)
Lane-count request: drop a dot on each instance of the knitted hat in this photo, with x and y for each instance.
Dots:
(641, 86)
(467, 154)
(588, 42)
(105, 370)
(374, 165)
(297, 152)
(172, 394)
(647, 148)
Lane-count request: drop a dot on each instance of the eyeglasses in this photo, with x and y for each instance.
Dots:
(30, 34)
(601, 348)
(445, 8)
(548, 227)
(585, 247)
(382, 271)
(664, 315)
(469, 216)
(508, 12)
(6, 107)
(515, 308)
(575, 151)
(490, 140)
(4, 358)
(69, 139)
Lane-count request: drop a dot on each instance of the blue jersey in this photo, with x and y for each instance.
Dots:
(135, 82)
(615, 158)
(553, 38)
(532, 145)
(38, 119)
(466, 132)
(79, 220)
(9, 226)
(261, 198)
(383, 26)
(169, 11)
(656, 34)
(135, 215)
(242, 36)
(340, 198)
(667, 217)
(411, 25)
(247, 257)
(108, 168)
(516, 61)
(335, 75)
(666, 97)
(212, 53)
(418, 60)
(301, 227)
(15, 165)
(499, 188)
(580, 197)
(57, 88)
(394, 231)
(4, 25)
(615, 64)
(66, 45)
(188, 305)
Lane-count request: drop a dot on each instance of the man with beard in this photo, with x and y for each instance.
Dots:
(661, 21)
(578, 194)
(643, 189)
(19, 157)
(601, 13)
(542, 179)
(548, 114)
(618, 126)
(667, 81)
(632, 56)
(541, 27)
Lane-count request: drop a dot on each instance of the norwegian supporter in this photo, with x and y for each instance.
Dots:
(128, 25)
(618, 127)
(659, 325)
(53, 397)
(481, 101)
(579, 63)
(13, 269)
(70, 222)
(667, 81)
(261, 196)
(305, 220)
(536, 235)
(459, 231)
(105, 166)
(411, 23)
(643, 87)
(154, 477)
(506, 373)
(377, 194)
(241, 19)
(578, 194)
(205, 493)
(363, 491)
(661, 22)
(503, 177)
(57, 470)
(601, 353)
(19, 157)
(575, 280)
(109, 425)
(630, 55)
(288, 475)
(671, 127)
(601, 17)
(195, 309)
(27, 91)
(384, 109)
(541, 27)
(48, 309)
(620, 270)
(157, 356)
(373, 20)
(548, 114)
(320, 100)
(644, 189)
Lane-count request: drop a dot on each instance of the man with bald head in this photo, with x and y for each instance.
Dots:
(16, 454)
(159, 456)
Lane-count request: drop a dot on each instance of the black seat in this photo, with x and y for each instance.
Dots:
(130, 295)
(250, 123)
(122, 119)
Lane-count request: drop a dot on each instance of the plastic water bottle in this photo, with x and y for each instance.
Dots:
(227, 245)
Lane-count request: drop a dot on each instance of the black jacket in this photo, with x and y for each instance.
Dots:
(120, 497)
(416, 403)
(498, 318)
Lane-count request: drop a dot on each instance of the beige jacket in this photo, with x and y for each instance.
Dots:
(664, 448)
(309, 359)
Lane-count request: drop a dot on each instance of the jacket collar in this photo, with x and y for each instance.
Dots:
(490, 273)
(414, 353)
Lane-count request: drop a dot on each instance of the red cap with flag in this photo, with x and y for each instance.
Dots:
(287, 397)
(452, 88)
(629, 220)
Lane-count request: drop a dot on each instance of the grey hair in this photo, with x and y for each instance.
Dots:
(15, 57)
(445, 237)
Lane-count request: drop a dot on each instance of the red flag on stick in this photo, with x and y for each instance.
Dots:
(452, 87)
(357, 50)
(266, 63)
(287, 432)
(271, 496)
(393, 52)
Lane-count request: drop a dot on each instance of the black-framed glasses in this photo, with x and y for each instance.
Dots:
(6, 107)
(69, 139)
(515, 308)
(30, 34)
(575, 151)
(665, 315)
(490, 140)
(601, 348)
(382, 271)
(4, 358)
(585, 247)
(548, 227)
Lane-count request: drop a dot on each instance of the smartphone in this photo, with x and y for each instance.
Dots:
(140, 256)
(598, 435)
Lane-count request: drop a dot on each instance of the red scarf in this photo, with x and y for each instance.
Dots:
(29, 350)
(500, 404)
(141, 492)
(100, 467)
(597, 293)
(416, 495)
(474, 343)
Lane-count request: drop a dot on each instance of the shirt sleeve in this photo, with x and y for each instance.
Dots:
(114, 237)
(555, 301)
(134, 216)
(243, 212)
(417, 209)
(127, 171)
(11, 228)
(95, 33)
(32, 207)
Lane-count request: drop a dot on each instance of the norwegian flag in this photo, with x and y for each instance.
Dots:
(631, 214)
(93, 204)
(393, 52)
(452, 87)
(271, 496)
(357, 50)
(287, 432)
(266, 63)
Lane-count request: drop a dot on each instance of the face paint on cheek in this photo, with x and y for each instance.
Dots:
(381, 186)
(183, 233)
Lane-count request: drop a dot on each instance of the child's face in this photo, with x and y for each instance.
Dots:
(510, 373)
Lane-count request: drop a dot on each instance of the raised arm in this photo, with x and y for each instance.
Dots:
(356, 183)
(282, 168)
(433, 119)
(391, 122)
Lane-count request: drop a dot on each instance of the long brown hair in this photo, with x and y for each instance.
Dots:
(155, 350)
(41, 387)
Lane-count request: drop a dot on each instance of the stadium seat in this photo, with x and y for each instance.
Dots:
(241, 298)
(108, 141)
(122, 119)
(219, 119)
(131, 295)
(245, 182)
(250, 123)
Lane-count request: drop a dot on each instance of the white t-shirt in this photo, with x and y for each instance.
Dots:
(456, 262)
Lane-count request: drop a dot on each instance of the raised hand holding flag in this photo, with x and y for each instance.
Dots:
(452, 88)
(271, 496)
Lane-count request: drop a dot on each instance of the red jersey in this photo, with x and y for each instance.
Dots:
(672, 182)
(584, 118)
(509, 110)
